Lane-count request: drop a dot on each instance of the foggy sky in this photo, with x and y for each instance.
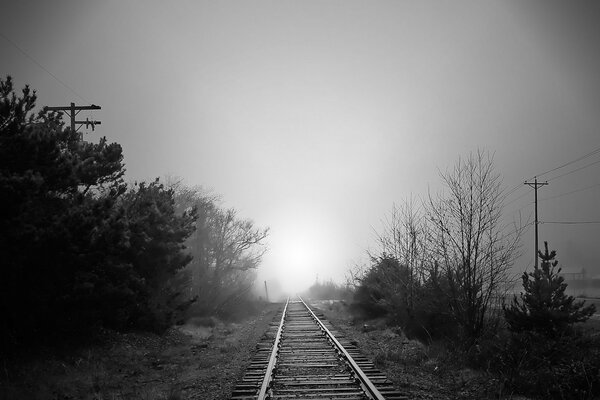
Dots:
(314, 117)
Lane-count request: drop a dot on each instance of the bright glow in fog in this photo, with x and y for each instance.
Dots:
(300, 248)
(296, 280)
(298, 271)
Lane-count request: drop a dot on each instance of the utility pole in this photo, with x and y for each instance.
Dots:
(266, 291)
(535, 184)
(72, 111)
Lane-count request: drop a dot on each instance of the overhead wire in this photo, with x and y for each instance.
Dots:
(44, 68)
(587, 155)
(520, 197)
(571, 192)
(591, 153)
(570, 222)
(512, 190)
(573, 171)
(521, 227)
(524, 229)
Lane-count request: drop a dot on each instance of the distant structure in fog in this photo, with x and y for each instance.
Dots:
(572, 273)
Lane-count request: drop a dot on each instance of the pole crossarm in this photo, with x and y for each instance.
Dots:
(68, 108)
(88, 123)
(72, 111)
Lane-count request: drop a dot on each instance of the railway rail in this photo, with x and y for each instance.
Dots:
(303, 357)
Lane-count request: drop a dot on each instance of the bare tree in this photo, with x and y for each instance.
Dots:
(237, 244)
(468, 240)
(226, 251)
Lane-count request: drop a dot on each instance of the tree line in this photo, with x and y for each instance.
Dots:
(82, 249)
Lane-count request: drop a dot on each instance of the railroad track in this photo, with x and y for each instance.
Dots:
(300, 358)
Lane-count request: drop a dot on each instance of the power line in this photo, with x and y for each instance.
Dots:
(591, 153)
(520, 197)
(519, 185)
(571, 192)
(570, 222)
(43, 68)
(522, 208)
(513, 190)
(522, 228)
(575, 170)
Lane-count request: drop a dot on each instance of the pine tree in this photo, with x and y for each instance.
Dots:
(58, 225)
(78, 250)
(544, 307)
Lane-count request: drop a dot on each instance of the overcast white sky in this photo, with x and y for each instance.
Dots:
(314, 117)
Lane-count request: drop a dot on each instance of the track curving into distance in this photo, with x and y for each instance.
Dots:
(301, 358)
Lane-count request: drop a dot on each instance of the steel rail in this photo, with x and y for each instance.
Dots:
(273, 359)
(365, 381)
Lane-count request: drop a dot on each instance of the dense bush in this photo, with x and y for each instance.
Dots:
(156, 234)
(378, 288)
(431, 318)
(418, 307)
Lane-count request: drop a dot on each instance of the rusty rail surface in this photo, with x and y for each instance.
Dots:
(301, 358)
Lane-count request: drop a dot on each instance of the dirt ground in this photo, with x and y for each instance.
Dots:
(202, 360)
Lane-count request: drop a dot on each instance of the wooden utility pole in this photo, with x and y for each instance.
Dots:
(266, 291)
(72, 111)
(535, 185)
